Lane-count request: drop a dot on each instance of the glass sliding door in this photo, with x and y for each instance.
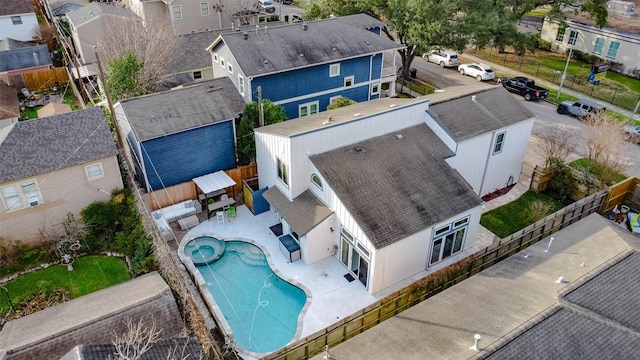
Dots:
(354, 261)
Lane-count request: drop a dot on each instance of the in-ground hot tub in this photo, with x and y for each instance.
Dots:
(204, 250)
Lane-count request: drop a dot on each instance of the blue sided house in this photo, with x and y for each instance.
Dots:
(174, 136)
(306, 66)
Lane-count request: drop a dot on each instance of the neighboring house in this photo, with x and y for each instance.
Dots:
(51, 167)
(618, 42)
(188, 16)
(88, 25)
(18, 20)
(174, 348)
(9, 105)
(192, 57)
(177, 135)
(521, 310)
(55, 8)
(19, 57)
(387, 186)
(306, 66)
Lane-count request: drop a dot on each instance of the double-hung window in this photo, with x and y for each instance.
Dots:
(283, 172)
(560, 35)
(499, 143)
(348, 81)
(18, 196)
(597, 47)
(334, 70)
(241, 84)
(204, 8)
(177, 12)
(308, 109)
(573, 36)
(448, 240)
(613, 49)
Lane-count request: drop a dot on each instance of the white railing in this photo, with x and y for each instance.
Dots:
(389, 71)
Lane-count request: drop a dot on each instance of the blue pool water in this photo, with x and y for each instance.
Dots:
(261, 308)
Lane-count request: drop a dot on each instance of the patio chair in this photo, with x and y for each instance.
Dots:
(231, 212)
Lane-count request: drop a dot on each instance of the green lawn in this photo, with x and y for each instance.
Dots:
(595, 169)
(90, 273)
(511, 217)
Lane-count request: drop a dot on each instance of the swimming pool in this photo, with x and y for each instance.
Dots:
(261, 308)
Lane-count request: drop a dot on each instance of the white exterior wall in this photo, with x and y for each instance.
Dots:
(223, 52)
(318, 243)
(85, 37)
(628, 52)
(486, 172)
(22, 32)
(192, 19)
(63, 191)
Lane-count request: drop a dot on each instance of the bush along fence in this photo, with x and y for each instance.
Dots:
(438, 281)
(577, 82)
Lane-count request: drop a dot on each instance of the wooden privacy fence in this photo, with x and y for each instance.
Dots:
(438, 281)
(626, 191)
(188, 190)
(46, 79)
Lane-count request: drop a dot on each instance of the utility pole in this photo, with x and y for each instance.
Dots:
(260, 108)
(83, 91)
(106, 92)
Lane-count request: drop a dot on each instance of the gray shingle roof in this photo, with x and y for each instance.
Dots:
(395, 187)
(90, 11)
(172, 111)
(191, 53)
(464, 118)
(362, 21)
(303, 213)
(16, 7)
(9, 104)
(60, 141)
(279, 48)
(16, 55)
(65, 8)
(177, 348)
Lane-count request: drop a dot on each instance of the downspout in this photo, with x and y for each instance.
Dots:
(370, 71)
(486, 164)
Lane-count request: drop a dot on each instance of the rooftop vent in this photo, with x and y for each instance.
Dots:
(474, 99)
(301, 55)
(334, 49)
(266, 61)
(357, 114)
(392, 105)
(245, 35)
(368, 43)
(357, 148)
(328, 121)
(399, 136)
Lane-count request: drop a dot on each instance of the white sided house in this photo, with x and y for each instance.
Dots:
(392, 187)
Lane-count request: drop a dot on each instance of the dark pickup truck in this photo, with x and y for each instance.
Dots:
(525, 87)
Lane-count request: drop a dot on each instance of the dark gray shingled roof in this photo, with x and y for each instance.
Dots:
(464, 118)
(191, 52)
(395, 186)
(11, 7)
(16, 55)
(598, 317)
(303, 213)
(177, 348)
(59, 141)
(181, 109)
(65, 8)
(362, 21)
(91, 10)
(279, 48)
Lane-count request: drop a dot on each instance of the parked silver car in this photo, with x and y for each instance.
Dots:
(442, 58)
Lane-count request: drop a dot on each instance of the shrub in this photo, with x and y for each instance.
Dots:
(585, 57)
(617, 67)
(541, 43)
(562, 184)
(537, 210)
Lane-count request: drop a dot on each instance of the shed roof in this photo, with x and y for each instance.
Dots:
(214, 181)
(181, 109)
(397, 184)
(53, 108)
(60, 141)
(302, 213)
(17, 55)
(286, 47)
(466, 116)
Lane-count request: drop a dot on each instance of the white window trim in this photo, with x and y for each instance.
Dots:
(230, 68)
(207, 8)
(222, 63)
(377, 87)
(284, 179)
(609, 49)
(572, 40)
(91, 178)
(333, 67)
(308, 106)
(559, 37)
(595, 44)
(334, 98)
(173, 11)
(215, 57)
(450, 228)
(495, 142)
(315, 180)
(347, 79)
(241, 84)
(23, 198)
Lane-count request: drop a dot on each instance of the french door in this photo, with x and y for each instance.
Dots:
(357, 265)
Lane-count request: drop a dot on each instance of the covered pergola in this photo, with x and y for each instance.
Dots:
(211, 185)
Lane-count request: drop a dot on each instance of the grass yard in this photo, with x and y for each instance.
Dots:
(90, 273)
(594, 168)
(518, 214)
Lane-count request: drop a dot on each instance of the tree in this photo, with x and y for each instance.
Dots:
(340, 102)
(421, 25)
(246, 145)
(152, 43)
(604, 145)
(124, 77)
(556, 144)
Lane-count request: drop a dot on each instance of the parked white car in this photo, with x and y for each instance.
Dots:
(442, 58)
(481, 72)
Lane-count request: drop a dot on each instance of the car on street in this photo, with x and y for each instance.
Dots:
(267, 6)
(633, 133)
(481, 72)
(295, 18)
(285, 2)
(525, 87)
(580, 108)
(442, 58)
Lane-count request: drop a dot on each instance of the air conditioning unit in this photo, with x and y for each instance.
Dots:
(33, 201)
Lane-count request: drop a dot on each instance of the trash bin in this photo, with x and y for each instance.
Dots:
(413, 72)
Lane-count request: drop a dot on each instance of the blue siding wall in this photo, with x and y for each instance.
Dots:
(294, 83)
(180, 157)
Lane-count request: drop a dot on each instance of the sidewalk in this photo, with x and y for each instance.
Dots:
(548, 84)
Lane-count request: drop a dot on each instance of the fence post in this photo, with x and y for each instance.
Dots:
(593, 85)
(504, 61)
(573, 81)
(614, 96)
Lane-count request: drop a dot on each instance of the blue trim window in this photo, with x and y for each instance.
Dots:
(599, 45)
(613, 49)
(499, 144)
(448, 240)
